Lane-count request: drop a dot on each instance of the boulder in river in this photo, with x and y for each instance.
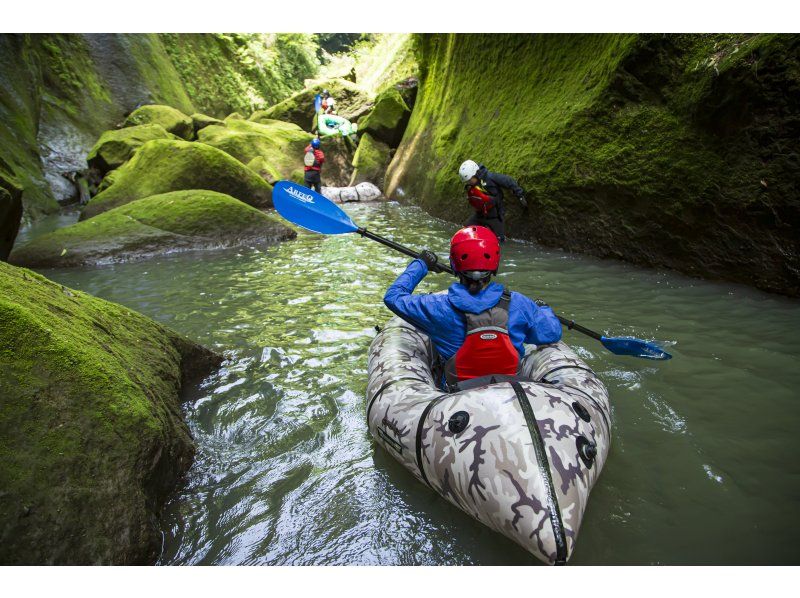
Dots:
(388, 119)
(115, 147)
(279, 143)
(156, 225)
(264, 169)
(173, 120)
(92, 439)
(10, 214)
(360, 192)
(370, 161)
(162, 165)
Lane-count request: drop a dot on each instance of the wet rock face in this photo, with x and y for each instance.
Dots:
(92, 439)
(164, 165)
(370, 161)
(156, 225)
(10, 214)
(671, 151)
(387, 120)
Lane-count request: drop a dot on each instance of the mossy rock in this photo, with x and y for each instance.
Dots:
(351, 102)
(265, 170)
(279, 143)
(201, 121)
(388, 119)
(92, 440)
(648, 148)
(107, 181)
(234, 116)
(176, 221)
(370, 161)
(114, 148)
(161, 166)
(10, 213)
(174, 121)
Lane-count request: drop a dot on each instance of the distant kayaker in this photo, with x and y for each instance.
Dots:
(478, 327)
(313, 161)
(328, 103)
(485, 195)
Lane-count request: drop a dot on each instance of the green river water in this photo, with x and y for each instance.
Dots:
(703, 467)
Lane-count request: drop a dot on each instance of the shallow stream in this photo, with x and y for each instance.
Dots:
(703, 466)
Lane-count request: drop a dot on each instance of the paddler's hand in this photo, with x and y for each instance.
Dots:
(430, 260)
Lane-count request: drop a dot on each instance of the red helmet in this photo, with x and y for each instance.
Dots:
(474, 248)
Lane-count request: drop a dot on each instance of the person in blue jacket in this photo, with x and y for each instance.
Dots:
(474, 304)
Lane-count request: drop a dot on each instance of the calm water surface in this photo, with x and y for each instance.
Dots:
(703, 466)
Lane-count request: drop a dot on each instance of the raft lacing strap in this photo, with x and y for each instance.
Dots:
(544, 469)
(420, 428)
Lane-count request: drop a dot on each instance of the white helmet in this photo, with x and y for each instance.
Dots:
(468, 170)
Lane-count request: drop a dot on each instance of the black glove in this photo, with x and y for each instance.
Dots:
(523, 201)
(430, 260)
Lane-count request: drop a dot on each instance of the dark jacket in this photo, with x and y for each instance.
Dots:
(493, 184)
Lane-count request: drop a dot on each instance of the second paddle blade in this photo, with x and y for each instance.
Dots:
(307, 208)
(636, 347)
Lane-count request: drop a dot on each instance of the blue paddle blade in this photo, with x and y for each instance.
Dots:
(307, 208)
(627, 345)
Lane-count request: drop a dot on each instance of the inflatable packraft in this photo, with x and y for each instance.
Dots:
(361, 192)
(518, 453)
(329, 125)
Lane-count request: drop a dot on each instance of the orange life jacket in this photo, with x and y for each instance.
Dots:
(480, 200)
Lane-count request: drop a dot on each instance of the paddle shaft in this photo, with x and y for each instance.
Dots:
(570, 324)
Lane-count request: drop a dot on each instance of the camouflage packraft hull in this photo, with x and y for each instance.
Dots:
(520, 457)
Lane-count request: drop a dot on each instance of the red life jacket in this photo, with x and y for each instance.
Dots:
(480, 200)
(487, 348)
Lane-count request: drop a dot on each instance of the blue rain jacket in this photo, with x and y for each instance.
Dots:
(437, 317)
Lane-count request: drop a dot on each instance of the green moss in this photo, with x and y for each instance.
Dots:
(223, 73)
(201, 121)
(160, 166)
(114, 148)
(174, 121)
(388, 118)
(91, 434)
(649, 148)
(157, 71)
(261, 166)
(370, 161)
(280, 144)
(170, 222)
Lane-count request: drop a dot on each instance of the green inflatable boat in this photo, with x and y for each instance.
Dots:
(330, 125)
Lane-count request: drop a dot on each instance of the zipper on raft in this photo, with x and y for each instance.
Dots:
(544, 468)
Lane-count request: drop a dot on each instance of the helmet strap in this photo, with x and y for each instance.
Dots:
(475, 284)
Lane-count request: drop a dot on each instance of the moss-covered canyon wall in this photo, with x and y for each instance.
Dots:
(664, 150)
(58, 92)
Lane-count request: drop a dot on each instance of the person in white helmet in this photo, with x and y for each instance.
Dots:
(485, 194)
